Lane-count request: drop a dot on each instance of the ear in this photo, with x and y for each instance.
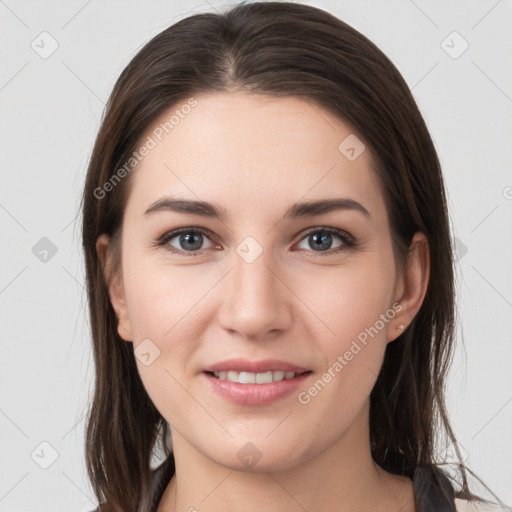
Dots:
(114, 280)
(412, 286)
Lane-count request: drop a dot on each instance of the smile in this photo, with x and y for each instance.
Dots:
(254, 378)
(247, 388)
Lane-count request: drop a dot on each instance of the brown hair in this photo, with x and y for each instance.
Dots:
(278, 49)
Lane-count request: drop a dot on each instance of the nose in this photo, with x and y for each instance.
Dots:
(258, 300)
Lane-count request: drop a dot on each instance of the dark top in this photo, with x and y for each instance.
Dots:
(429, 496)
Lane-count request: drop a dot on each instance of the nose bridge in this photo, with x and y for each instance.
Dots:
(256, 300)
(251, 271)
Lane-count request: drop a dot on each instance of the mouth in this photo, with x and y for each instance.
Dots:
(244, 377)
(255, 389)
(250, 382)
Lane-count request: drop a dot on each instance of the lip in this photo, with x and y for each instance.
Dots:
(245, 365)
(255, 394)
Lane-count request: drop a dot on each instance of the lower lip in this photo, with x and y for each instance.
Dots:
(255, 394)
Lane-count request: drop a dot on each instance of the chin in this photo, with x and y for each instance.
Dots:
(259, 457)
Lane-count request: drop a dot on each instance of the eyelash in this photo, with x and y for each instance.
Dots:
(347, 239)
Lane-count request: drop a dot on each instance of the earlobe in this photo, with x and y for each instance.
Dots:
(114, 282)
(414, 284)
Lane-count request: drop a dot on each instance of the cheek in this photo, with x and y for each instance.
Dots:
(348, 299)
(351, 340)
(161, 302)
(161, 298)
(353, 310)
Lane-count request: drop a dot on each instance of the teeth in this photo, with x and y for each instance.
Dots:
(254, 378)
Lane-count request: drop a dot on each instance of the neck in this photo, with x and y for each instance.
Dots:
(342, 477)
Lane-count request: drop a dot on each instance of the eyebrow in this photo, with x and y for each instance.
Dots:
(297, 210)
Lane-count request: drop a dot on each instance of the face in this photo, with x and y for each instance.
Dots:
(312, 289)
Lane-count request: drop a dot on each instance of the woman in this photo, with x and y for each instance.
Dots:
(269, 274)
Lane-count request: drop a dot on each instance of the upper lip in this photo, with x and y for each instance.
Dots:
(245, 365)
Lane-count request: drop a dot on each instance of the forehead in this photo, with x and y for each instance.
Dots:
(244, 149)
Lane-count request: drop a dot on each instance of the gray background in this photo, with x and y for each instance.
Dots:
(50, 110)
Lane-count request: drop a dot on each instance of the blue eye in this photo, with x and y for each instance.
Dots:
(321, 238)
(190, 241)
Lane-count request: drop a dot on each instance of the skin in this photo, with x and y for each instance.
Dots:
(255, 156)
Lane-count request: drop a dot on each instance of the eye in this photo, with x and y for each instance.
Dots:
(188, 240)
(322, 238)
